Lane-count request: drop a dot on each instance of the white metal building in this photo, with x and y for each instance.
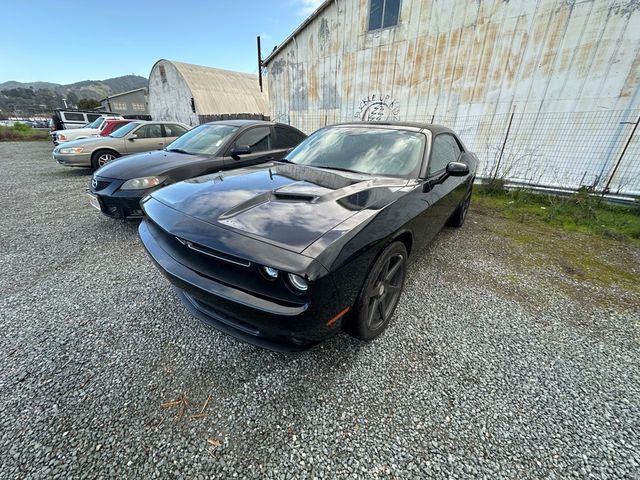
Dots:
(185, 93)
(558, 65)
(133, 102)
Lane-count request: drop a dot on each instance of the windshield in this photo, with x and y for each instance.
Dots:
(96, 123)
(122, 131)
(206, 139)
(373, 151)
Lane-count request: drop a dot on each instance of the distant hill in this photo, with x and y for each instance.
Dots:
(96, 89)
(29, 98)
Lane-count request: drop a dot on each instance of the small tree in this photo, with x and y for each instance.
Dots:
(88, 103)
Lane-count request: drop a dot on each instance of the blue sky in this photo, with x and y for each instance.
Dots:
(66, 41)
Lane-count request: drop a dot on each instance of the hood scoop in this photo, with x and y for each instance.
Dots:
(300, 191)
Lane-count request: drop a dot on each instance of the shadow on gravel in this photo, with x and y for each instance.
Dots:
(65, 172)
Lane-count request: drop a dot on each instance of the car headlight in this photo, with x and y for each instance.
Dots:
(61, 136)
(71, 150)
(142, 183)
(298, 282)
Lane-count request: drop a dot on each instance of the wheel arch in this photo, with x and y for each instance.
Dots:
(404, 236)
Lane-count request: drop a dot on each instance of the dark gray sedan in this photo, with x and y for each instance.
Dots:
(117, 188)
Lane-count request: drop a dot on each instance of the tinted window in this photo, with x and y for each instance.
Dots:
(445, 149)
(383, 13)
(74, 117)
(172, 130)
(207, 139)
(92, 116)
(259, 139)
(374, 151)
(153, 130)
(288, 137)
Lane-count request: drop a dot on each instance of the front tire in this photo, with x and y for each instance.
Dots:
(102, 157)
(380, 292)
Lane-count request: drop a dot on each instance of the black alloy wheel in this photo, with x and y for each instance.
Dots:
(381, 292)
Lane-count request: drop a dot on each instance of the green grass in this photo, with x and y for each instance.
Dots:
(22, 132)
(579, 212)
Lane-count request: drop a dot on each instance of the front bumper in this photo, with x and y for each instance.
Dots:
(73, 160)
(116, 203)
(246, 315)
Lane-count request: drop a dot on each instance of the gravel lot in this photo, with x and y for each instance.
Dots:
(499, 363)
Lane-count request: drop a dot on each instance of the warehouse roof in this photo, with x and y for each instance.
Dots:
(222, 91)
(115, 95)
(301, 27)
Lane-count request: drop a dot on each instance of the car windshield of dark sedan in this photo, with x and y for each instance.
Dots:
(372, 151)
(122, 131)
(203, 140)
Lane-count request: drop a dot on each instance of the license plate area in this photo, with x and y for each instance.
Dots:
(94, 201)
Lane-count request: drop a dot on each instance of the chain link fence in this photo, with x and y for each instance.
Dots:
(564, 151)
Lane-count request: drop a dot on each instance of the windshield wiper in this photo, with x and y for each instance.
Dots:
(178, 150)
(285, 160)
(339, 168)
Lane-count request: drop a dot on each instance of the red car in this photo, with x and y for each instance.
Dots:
(113, 125)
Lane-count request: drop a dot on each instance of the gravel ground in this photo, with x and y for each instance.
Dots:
(498, 363)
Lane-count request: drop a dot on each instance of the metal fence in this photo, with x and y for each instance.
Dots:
(563, 151)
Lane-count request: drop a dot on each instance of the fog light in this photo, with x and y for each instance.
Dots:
(298, 282)
(270, 272)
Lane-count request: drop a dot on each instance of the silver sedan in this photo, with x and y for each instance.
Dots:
(134, 137)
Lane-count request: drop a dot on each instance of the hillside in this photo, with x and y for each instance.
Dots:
(30, 98)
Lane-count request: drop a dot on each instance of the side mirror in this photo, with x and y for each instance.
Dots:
(132, 137)
(457, 169)
(240, 150)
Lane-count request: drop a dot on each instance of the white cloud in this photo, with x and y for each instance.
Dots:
(307, 7)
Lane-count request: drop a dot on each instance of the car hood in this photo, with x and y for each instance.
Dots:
(92, 142)
(74, 132)
(147, 164)
(286, 205)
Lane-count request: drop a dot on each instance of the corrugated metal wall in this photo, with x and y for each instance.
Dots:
(451, 60)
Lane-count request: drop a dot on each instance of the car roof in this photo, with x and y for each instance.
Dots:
(415, 126)
(240, 123)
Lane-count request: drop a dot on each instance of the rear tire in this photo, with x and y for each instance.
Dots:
(458, 218)
(380, 293)
(102, 157)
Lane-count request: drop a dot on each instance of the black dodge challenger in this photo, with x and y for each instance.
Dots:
(287, 253)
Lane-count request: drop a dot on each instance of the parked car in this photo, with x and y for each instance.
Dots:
(91, 130)
(112, 125)
(286, 254)
(66, 119)
(117, 188)
(135, 137)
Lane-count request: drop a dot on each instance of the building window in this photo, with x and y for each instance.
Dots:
(383, 14)
(163, 74)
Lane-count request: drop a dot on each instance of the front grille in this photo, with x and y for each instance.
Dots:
(100, 185)
(214, 253)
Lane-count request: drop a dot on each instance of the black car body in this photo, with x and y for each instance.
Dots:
(242, 143)
(213, 236)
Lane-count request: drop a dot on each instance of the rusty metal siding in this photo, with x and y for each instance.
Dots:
(461, 58)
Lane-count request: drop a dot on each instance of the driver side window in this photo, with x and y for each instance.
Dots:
(445, 149)
(149, 131)
(259, 139)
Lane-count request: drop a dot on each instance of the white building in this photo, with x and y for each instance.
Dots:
(193, 93)
(568, 70)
